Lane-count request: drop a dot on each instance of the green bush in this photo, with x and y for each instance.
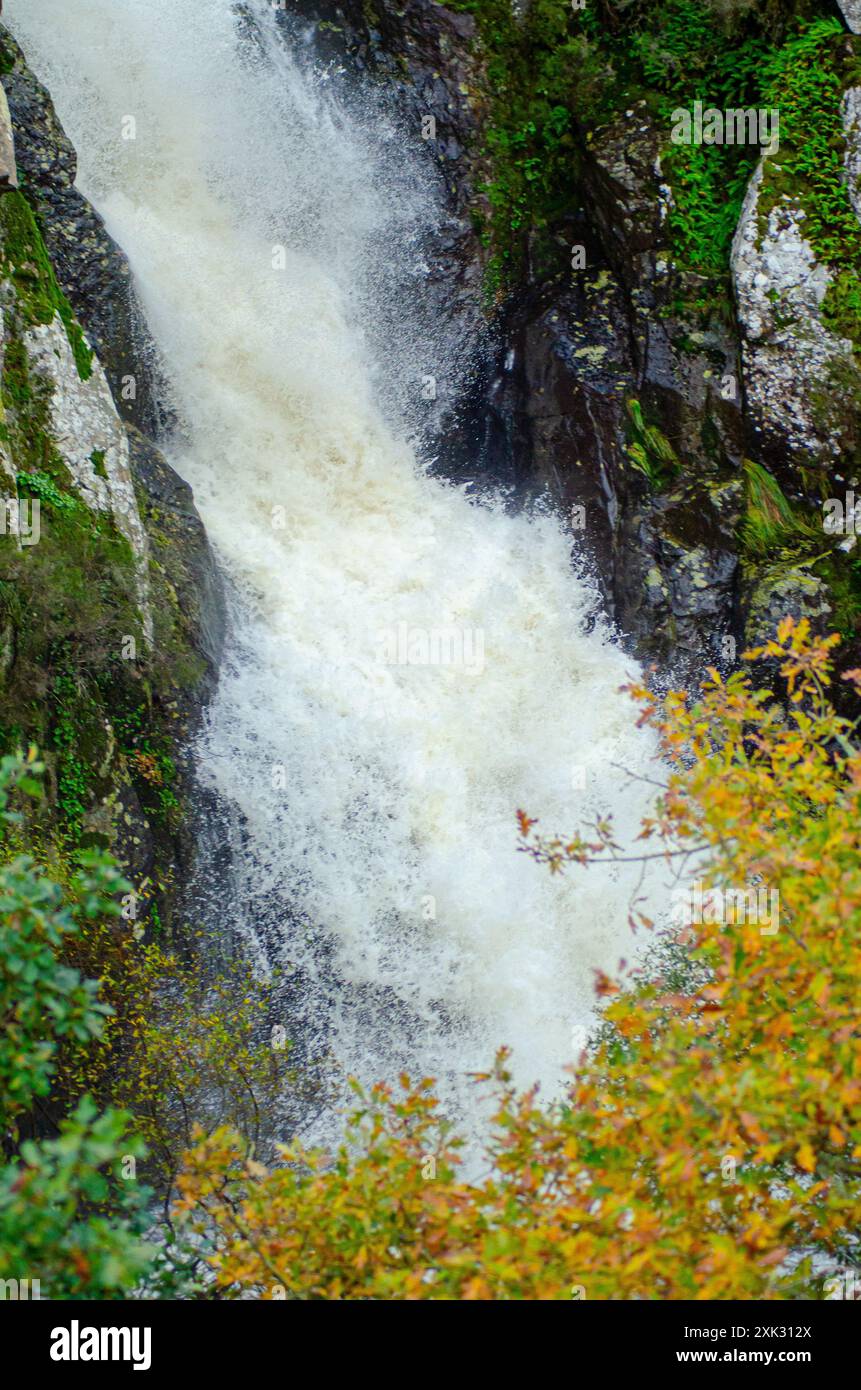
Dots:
(67, 1216)
(71, 1213)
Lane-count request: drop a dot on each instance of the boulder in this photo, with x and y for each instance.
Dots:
(790, 356)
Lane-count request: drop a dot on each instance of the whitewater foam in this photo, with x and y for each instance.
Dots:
(376, 847)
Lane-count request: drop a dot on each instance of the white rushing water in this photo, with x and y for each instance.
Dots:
(377, 764)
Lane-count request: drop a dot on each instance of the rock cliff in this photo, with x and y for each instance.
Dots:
(674, 328)
(110, 609)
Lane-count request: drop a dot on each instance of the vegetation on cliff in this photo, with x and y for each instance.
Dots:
(78, 675)
(578, 111)
(69, 1217)
(555, 73)
(112, 1053)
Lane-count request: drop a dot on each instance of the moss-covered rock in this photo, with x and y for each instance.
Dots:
(731, 280)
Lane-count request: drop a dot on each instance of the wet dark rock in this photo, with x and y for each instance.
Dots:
(781, 591)
(613, 334)
(677, 575)
(576, 352)
(180, 551)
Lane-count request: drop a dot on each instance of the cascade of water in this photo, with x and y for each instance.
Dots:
(407, 667)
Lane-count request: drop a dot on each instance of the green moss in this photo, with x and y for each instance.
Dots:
(650, 452)
(551, 72)
(771, 525)
(65, 602)
(7, 55)
(727, 54)
(26, 400)
(670, 54)
(27, 263)
(708, 183)
(535, 63)
(149, 753)
(73, 791)
(842, 574)
(841, 307)
(806, 80)
(836, 399)
(68, 601)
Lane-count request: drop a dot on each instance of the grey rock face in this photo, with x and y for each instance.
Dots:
(680, 577)
(91, 441)
(179, 550)
(777, 592)
(851, 113)
(789, 353)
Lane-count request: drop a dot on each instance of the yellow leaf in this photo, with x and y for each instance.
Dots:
(806, 1158)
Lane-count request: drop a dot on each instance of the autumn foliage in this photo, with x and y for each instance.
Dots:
(709, 1145)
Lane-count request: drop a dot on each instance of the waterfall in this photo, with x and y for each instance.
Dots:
(408, 666)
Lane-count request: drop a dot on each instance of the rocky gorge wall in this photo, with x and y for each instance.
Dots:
(110, 607)
(676, 331)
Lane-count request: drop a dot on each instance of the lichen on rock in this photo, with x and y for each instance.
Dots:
(788, 351)
(91, 442)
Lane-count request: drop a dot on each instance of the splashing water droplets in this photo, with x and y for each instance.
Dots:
(406, 668)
